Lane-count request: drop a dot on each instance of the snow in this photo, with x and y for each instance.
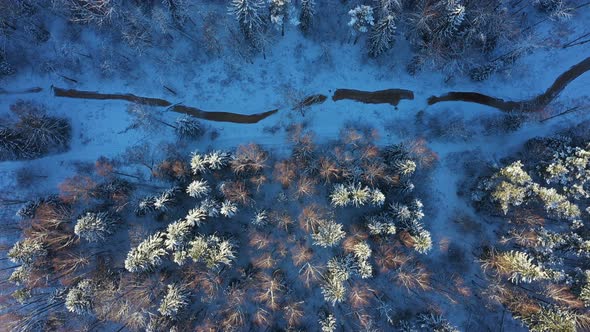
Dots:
(292, 68)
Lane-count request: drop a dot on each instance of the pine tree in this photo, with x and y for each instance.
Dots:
(216, 160)
(377, 197)
(329, 233)
(80, 298)
(247, 14)
(359, 195)
(187, 127)
(211, 250)
(260, 219)
(198, 189)
(361, 17)
(279, 13)
(382, 36)
(422, 242)
(328, 324)
(340, 196)
(94, 227)
(454, 19)
(147, 255)
(306, 15)
(198, 163)
(518, 266)
(177, 235)
(175, 300)
(196, 216)
(19, 275)
(26, 251)
(228, 209)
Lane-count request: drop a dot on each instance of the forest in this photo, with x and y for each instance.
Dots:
(294, 165)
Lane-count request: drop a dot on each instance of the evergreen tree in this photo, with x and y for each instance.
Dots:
(211, 250)
(247, 14)
(454, 18)
(94, 227)
(382, 36)
(147, 255)
(328, 324)
(306, 15)
(279, 13)
(198, 188)
(26, 251)
(175, 300)
(80, 297)
(228, 209)
(328, 234)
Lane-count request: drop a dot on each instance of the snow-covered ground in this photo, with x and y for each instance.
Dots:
(294, 67)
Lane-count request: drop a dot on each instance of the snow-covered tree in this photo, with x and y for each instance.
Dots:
(518, 266)
(422, 242)
(359, 195)
(328, 324)
(165, 199)
(382, 36)
(175, 300)
(196, 216)
(279, 11)
(306, 15)
(435, 322)
(198, 189)
(188, 127)
(247, 13)
(405, 167)
(362, 252)
(27, 251)
(216, 160)
(211, 250)
(381, 225)
(19, 275)
(178, 234)
(328, 234)
(340, 196)
(199, 163)
(211, 207)
(80, 298)
(455, 15)
(361, 18)
(550, 318)
(339, 270)
(148, 255)
(260, 218)
(555, 8)
(228, 209)
(377, 197)
(94, 227)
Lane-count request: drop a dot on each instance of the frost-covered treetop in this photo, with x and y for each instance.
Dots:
(94, 227)
(214, 160)
(26, 251)
(570, 167)
(147, 255)
(357, 195)
(361, 18)
(175, 300)
(198, 188)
